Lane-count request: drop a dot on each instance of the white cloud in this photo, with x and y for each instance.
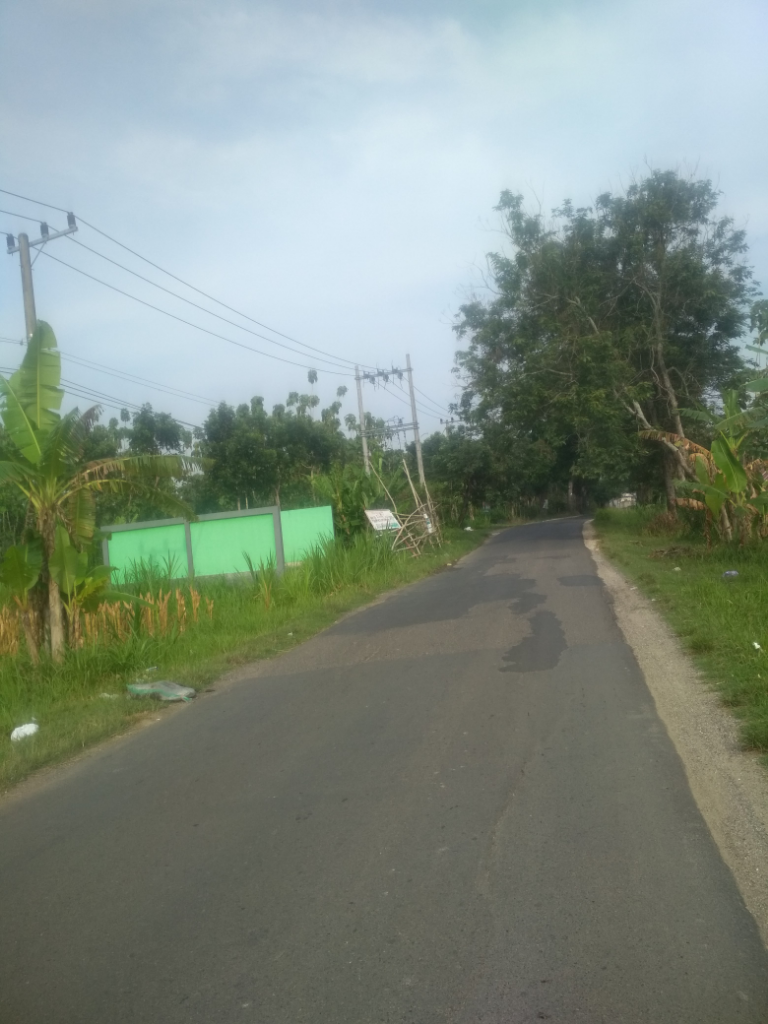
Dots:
(334, 173)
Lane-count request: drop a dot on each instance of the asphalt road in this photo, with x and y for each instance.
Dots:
(457, 805)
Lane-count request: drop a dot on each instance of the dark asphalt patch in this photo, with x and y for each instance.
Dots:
(433, 601)
(580, 581)
(539, 651)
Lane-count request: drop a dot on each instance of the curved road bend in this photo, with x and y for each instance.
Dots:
(457, 806)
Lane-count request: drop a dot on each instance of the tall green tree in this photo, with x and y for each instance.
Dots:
(253, 455)
(608, 321)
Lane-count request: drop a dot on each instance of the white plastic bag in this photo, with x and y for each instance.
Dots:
(22, 731)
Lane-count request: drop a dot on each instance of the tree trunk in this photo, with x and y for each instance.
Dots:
(56, 620)
(570, 495)
(26, 616)
(669, 483)
(674, 408)
(725, 524)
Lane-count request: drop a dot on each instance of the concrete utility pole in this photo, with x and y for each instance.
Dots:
(30, 316)
(415, 424)
(23, 249)
(361, 412)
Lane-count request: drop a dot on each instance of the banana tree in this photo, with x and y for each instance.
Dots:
(80, 586)
(47, 466)
(19, 573)
(727, 484)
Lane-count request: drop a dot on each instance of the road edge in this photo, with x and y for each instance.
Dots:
(729, 784)
(52, 773)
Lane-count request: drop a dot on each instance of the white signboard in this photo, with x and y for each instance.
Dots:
(382, 519)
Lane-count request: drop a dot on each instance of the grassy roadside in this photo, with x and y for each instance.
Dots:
(719, 620)
(83, 701)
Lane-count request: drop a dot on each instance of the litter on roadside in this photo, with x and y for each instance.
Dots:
(162, 689)
(730, 574)
(756, 645)
(109, 696)
(468, 529)
(677, 569)
(22, 731)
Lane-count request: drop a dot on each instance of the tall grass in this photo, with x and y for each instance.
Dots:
(719, 619)
(256, 615)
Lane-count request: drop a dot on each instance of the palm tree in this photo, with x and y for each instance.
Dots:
(46, 465)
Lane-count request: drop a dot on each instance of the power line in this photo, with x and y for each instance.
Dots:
(432, 401)
(172, 393)
(131, 378)
(419, 406)
(77, 390)
(186, 284)
(218, 302)
(21, 216)
(405, 401)
(437, 411)
(37, 202)
(332, 359)
(134, 379)
(82, 391)
(197, 305)
(189, 323)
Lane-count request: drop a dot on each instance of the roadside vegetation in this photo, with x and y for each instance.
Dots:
(70, 642)
(191, 635)
(608, 355)
(720, 619)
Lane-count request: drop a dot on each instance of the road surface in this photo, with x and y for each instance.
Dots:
(457, 806)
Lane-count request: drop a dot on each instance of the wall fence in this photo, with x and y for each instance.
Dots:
(216, 544)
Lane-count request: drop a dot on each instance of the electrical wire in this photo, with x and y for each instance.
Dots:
(189, 323)
(21, 216)
(134, 379)
(156, 387)
(82, 391)
(37, 202)
(77, 390)
(436, 411)
(407, 401)
(197, 304)
(186, 284)
(333, 360)
(224, 305)
(432, 401)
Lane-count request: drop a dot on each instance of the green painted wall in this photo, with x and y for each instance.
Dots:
(155, 545)
(218, 544)
(305, 528)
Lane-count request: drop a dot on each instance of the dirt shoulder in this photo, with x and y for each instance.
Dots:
(729, 785)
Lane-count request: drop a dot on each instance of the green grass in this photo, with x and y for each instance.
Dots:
(718, 620)
(66, 700)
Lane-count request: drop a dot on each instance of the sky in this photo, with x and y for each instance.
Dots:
(330, 169)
